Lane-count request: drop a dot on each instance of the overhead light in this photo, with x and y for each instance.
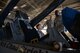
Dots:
(45, 20)
(15, 7)
(0, 9)
(29, 17)
(24, 5)
(9, 14)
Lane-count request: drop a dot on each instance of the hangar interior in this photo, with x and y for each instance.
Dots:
(39, 26)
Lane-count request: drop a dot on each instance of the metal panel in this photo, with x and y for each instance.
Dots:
(70, 18)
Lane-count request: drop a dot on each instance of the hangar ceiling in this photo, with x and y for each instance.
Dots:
(35, 7)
